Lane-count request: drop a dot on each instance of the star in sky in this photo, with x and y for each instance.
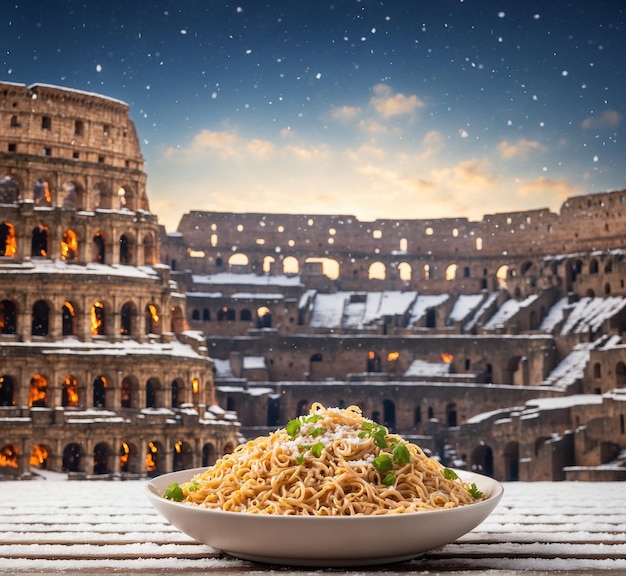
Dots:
(380, 109)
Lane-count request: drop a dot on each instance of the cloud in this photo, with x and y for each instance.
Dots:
(609, 119)
(468, 175)
(230, 145)
(388, 105)
(519, 149)
(345, 112)
(545, 188)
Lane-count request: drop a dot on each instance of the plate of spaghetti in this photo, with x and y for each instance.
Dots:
(331, 488)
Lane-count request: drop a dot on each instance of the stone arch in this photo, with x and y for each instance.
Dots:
(39, 241)
(264, 316)
(9, 190)
(177, 392)
(9, 459)
(377, 271)
(129, 457)
(245, 315)
(450, 273)
(69, 246)
(42, 195)
(68, 319)
(373, 363)
(482, 459)
(291, 265)
(129, 392)
(153, 319)
(98, 318)
(125, 198)
(39, 456)
(153, 393)
(100, 385)
(102, 456)
(594, 266)
(405, 271)
(73, 196)
(99, 248)
(69, 393)
(126, 249)
(182, 456)
(238, 262)
(40, 324)
(155, 459)
(8, 317)
(7, 390)
(502, 276)
(72, 457)
(149, 250)
(38, 391)
(128, 319)
(8, 241)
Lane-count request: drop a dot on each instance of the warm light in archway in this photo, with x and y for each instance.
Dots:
(447, 358)
(393, 356)
(195, 385)
(38, 456)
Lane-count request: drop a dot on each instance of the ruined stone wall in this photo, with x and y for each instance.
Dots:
(426, 255)
(521, 361)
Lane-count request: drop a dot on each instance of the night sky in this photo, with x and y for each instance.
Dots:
(379, 109)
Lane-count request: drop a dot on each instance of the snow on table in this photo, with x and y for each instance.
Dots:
(104, 527)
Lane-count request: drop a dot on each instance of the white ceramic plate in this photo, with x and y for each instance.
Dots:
(323, 541)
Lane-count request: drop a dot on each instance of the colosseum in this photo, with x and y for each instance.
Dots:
(496, 344)
(99, 372)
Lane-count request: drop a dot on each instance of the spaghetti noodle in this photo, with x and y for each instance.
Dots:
(332, 462)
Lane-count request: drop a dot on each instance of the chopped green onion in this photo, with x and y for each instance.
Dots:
(401, 454)
(293, 427)
(317, 449)
(390, 479)
(315, 432)
(475, 492)
(383, 463)
(449, 474)
(174, 492)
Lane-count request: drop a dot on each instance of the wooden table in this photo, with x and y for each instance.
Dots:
(105, 527)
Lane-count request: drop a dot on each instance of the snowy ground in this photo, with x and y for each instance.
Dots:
(96, 527)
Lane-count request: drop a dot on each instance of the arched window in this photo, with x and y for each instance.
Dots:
(245, 315)
(38, 393)
(264, 315)
(40, 318)
(100, 385)
(70, 392)
(98, 319)
(72, 458)
(9, 190)
(8, 317)
(41, 193)
(124, 250)
(127, 319)
(68, 315)
(6, 390)
(39, 242)
(153, 319)
(8, 243)
(69, 246)
(98, 245)
(101, 454)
